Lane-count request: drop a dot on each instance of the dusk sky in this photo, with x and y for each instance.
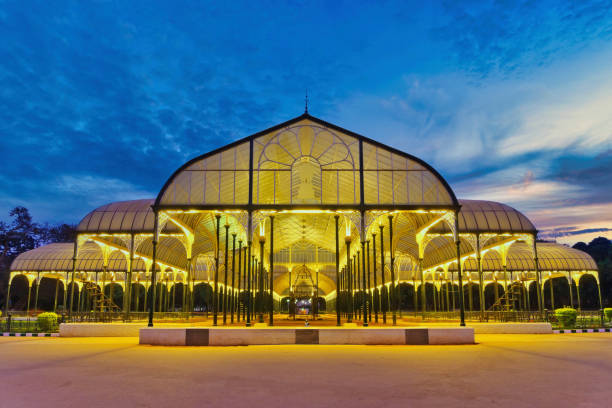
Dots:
(510, 101)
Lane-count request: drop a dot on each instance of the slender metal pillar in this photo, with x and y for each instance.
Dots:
(446, 289)
(232, 296)
(239, 280)
(480, 278)
(248, 297)
(57, 282)
(392, 268)
(36, 295)
(369, 287)
(216, 290)
(358, 281)
(271, 262)
(571, 290)
(338, 302)
(8, 295)
(74, 261)
(28, 303)
(350, 305)
(363, 281)
(225, 281)
(538, 274)
(153, 269)
(376, 291)
(260, 302)
(458, 243)
(385, 302)
(423, 288)
(552, 293)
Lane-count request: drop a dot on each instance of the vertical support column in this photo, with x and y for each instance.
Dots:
(376, 294)
(29, 294)
(350, 306)
(384, 303)
(8, 294)
(271, 263)
(538, 274)
(458, 243)
(57, 282)
(74, 261)
(248, 263)
(363, 281)
(423, 289)
(153, 268)
(369, 284)
(480, 278)
(239, 280)
(216, 289)
(128, 285)
(260, 285)
(571, 289)
(65, 293)
(392, 268)
(233, 296)
(446, 290)
(137, 300)
(599, 293)
(186, 290)
(337, 233)
(36, 295)
(225, 266)
(552, 292)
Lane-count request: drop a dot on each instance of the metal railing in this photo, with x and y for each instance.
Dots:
(12, 324)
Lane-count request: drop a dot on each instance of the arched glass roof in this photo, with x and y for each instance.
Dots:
(306, 161)
(122, 216)
(488, 216)
(134, 216)
(58, 258)
(551, 257)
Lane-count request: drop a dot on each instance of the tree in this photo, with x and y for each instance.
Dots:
(601, 250)
(23, 234)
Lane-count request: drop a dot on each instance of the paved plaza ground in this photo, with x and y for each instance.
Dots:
(501, 371)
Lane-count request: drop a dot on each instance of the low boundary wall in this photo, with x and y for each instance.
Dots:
(271, 336)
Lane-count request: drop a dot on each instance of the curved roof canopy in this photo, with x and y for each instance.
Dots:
(134, 216)
(551, 258)
(306, 161)
(58, 258)
(489, 216)
(121, 216)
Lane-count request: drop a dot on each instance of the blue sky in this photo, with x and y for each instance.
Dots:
(510, 100)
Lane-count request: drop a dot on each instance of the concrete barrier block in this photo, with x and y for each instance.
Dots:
(362, 336)
(100, 329)
(163, 337)
(244, 337)
(455, 335)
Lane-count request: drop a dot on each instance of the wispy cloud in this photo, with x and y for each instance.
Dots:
(509, 100)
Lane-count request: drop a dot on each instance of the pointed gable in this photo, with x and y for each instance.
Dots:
(306, 161)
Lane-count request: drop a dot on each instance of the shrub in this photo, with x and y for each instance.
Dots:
(47, 321)
(608, 313)
(566, 317)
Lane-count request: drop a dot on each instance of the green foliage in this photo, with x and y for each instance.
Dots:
(608, 313)
(601, 250)
(47, 321)
(566, 317)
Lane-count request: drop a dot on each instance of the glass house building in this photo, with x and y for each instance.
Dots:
(304, 217)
